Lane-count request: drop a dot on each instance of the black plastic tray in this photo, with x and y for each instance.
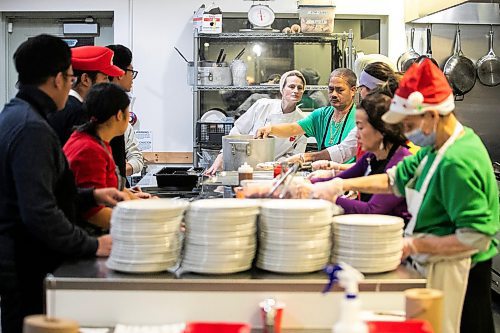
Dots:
(177, 178)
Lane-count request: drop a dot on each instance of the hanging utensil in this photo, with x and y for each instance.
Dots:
(219, 57)
(223, 58)
(409, 57)
(460, 70)
(180, 53)
(488, 67)
(238, 56)
(429, 46)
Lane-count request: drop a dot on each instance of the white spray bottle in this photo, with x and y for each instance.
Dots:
(350, 308)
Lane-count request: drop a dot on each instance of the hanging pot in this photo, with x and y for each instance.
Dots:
(460, 70)
(488, 67)
(428, 54)
(409, 57)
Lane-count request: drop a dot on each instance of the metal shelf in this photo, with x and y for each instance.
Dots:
(277, 35)
(252, 88)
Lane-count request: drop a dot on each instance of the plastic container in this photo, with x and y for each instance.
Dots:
(239, 73)
(409, 326)
(317, 19)
(245, 172)
(206, 327)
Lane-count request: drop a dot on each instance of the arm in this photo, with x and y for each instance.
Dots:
(369, 184)
(444, 245)
(280, 130)
(134, 158)
(378, 204)
(36, 161)
(345, 150)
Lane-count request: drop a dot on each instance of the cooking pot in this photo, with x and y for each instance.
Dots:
(210, 73)
(238, 149)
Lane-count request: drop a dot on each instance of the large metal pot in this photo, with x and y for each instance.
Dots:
(238, 149)
(210, 73)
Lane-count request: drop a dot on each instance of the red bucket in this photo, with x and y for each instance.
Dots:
(409, 326)
(216, 327)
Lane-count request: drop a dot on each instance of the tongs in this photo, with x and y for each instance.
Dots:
(285, 180)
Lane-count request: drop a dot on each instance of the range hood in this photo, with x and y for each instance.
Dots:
(453, 11)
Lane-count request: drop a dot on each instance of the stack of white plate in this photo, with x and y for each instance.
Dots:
(369, 243)
(295, 235)
(146, 235)
(220, 236)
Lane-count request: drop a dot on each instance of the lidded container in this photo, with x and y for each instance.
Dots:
(239, 72)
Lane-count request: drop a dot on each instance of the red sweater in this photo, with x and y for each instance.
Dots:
(91, 163)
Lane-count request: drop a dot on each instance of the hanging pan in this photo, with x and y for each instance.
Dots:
(460, 70)
(429, 47)
(409, 57)
(488, 67)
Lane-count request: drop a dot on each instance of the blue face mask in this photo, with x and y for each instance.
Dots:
(418, 137)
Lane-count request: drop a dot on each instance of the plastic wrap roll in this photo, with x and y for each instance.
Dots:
(427, 304)
(42, 324)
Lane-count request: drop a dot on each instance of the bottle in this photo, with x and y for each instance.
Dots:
(245, 172)
(350, 307)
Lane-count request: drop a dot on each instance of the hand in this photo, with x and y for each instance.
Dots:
(104, 246)
(328, 190)
(300, 188)
(264, 132)
(326, 165)
(215, 167)
(295, 158)
(321, 176)
(109, 196)
(408, 247)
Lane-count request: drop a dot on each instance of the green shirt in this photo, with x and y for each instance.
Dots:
(463, 192)
(318, 122)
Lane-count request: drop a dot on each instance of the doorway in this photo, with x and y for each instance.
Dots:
(23, 25)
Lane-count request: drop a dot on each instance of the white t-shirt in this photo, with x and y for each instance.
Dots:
(268, 111)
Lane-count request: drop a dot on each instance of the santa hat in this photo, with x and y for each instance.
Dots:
(96, 59)
(423, 87)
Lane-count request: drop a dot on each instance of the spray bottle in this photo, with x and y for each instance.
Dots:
(350, 308)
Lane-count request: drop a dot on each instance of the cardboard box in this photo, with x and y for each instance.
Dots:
(317, 19)
(207, 23)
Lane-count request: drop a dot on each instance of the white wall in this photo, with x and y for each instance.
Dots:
(152, 27)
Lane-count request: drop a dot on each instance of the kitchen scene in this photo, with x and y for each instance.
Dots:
(250, 166)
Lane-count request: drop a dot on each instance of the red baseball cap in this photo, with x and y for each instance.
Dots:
(96, 59)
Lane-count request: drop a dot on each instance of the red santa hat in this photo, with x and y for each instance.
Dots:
(95, 58)
(423, 87)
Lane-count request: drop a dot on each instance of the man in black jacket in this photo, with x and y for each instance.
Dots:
(38, 198)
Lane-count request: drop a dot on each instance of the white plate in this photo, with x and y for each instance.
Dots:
(214, 228)
(368, 220)
(292, 269)
(319, 245)
(224, 204)
(154, 204)
(230, 243)
(215, 270)
(216, 237)
(293, 223)
(213, 116)
(137, 268)
(291, 206)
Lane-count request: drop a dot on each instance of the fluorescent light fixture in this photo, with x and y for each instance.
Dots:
(81, 28)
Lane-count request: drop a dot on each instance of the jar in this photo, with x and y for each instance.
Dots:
(245, 172)
(239, 72)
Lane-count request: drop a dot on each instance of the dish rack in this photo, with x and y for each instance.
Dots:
(209, 135)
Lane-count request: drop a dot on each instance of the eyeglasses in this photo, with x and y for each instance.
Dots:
(73, 77)
(134, 72)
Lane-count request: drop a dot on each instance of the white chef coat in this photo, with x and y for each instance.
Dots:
(268, 111)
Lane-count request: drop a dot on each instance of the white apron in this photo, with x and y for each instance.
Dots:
(446, 273)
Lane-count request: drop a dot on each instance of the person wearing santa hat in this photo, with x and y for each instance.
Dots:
(451, 192)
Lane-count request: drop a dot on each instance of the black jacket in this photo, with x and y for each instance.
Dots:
(38, 197)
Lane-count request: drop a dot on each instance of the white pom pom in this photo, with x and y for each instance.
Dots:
(415, 99)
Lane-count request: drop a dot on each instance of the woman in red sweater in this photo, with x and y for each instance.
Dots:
(88, 150)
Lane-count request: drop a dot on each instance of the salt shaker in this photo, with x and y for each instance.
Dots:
(239, 72)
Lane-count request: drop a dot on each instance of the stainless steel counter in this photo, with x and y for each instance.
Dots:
(93, 274)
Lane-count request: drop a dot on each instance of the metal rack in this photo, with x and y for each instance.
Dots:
(231, 37)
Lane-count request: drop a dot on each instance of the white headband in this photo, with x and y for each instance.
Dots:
(288, 74)
(369, 81)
